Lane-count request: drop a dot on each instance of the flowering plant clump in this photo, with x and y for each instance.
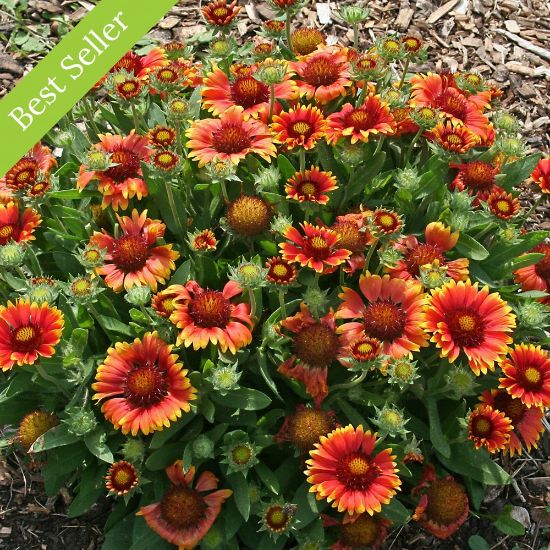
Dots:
(277, 295)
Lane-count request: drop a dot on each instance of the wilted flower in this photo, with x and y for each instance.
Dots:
(33, 425)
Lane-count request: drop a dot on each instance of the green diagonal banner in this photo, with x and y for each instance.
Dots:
(70, 70)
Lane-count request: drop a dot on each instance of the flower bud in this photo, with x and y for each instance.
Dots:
(224, 379)
(202, 447)
(461, 382)
(138, 295)
(11, 255)
(133, 450)
(353, 15)
(81, 421)
(402, 372)
(533, 315)
(390, 421)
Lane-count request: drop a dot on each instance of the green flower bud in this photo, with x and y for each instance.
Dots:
(351, 154)
(224, 379)
(92, 256)
(460, 201)
(133, 450)
(249, 275)
(510, 146)
(533, 314)
(271, 73)
(407, 178)
(316, 300)
(81, 421)
(389, 256)
(178, 108)
(281, 223)
(353, 15)
(277, 518)
(11, 255)
(202, 447)
(267, 179)
(138, 295)
(433, 275)
(43, 293)
(97, 160)
(214, 538)
(390, 421)
(502, 120)
(461, 382)
(221, 48)
(239, 453)
(402, 372)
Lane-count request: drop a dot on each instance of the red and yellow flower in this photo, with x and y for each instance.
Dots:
(438, 240)
(163, 302)
(143, 386)
(322, 75)
(489, 428)
(536, 276)
(461, 317)
(454, 138)
(393, 313)
(306, 40)
(204, 240)
(121, 477)
(477, 178)
(541, 175)
(141, 66)
(360, 123)
(311, 186)
(526, 422)
(503, 205)
(385, 222)
(359, 531)
(344, 470)
(300, 127)
(123, 181)
(229, 138)
(404, 124)
(185, 512)
(315, 345)
(162, 136)
(219, 13)
(208, 316)
(28, 331)
(280, 272)
(354, 236)
(443, 505)
(17, 226)
(527, 375)
(135, 258)
(32, 168)
(245, 91)
(317, 249)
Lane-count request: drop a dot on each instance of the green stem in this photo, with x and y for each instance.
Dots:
(172, 203)
(252, 300)
(288, 30)
(405, 69)
(271, 100)
(302, 157)
(355, 36)
(282, 303)
(135, 115)
(49, 378)
(535, 204)
(342, 275)
(411, 146)
(379, 145)
(89, 113)
(307, 214)
(351, 383)
(224, 191)
(370, 253)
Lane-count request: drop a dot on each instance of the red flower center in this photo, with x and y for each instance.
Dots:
(230, 139)
(512, 407)
(167, 75)
(130, 253)
(482, 426)
(384, 320)
(362, 532)
(479, 176)
(420, 255)
(163, 137)
(210, 309)
(25, 338)
(453, 140)
(316, 345)
(316, 247)
(183, 508)
(123, 477)
(280, 271)
(446, 501)
(357, 471)
(542, 267)
(321, 71)
(6, 233)
(246, 91)
(531, 377)
(145, 386)
(467, 328)
(127, 165)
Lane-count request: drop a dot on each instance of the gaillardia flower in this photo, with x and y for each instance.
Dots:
(443, 505)
(163, 302)
(371, 118)
(17, 226)
(438, 240)
(489, 428)
(315, 345)
(503, 205)
(121, 477)
(123, 180)
(249, 215)
(461, 317)
(185, 513)
(229, 138)
(208, 316)
(536, 276)
(33, 425)
(203, 241)
(393, 312)
(457, 139)
(477, 178)
(526, 422)
(28, 331)
(246, 92)
(219, 13)
(280, 272)
(142, 385)
(541, 175)
(306, 40)
(141, 66)
(311, 186)
(344, 470)
(322, 75)
(135, 258)
(317, 249)
(527, 375)
(31, 169)
(354, 236)
(359, 531)
(300, 127)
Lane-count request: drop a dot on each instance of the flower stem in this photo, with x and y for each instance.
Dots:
(252, 300)
(282, 303)
(535, 204)
(49, 378)
(89, 113)
(411, 146)
(288, 30)
(405, 69)
(355, 36)
(370, 253)
(172, 203)
(135, 115)
(224, 191)
(351, 383)
(271, 100)
(302, 157)
(379, 145)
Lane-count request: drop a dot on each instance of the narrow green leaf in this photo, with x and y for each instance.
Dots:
(471, 248)
(243, 398)
(240, 493)
(437, 436)
(475, 542)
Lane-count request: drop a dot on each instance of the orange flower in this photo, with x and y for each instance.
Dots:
(477, 178)
(219, 94)
(134, 259)
(17, 226)
(438, 240)
(300, 127)
(354, 236)
(457, 139)
(526, 423)
(404, 124)
(344, 470)
(162, 136)
(123, 181)
(443, 506)
(163, 302)
(206, 316)
(541, 175)
(503, 205)
(373, 117)
(317, 249)
(310, 186)
(143, 385)
(220, 14)
(323, 75)
(536, 276)
(185, 513)
(121, 477)
(28, 331)
(463, 318)
(306, 40)
(229, 138)
(393, 314)
(280, 272)
(32, 168)
(489, 428)
(527, 375)
(359, 531)
(315, 345)
(204, 240)
(141, 66)
(386, 222)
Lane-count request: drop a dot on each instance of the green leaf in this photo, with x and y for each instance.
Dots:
(78, 341)
(266, 374)
(514, 173)
(114, 325)
(269, 479)
(507, 524)
(181, 275)
(73, 194)
(243, 398)
(526, 260)
(437, 436)
(475, 542)
(395, 511)
(96, 444)
(56, 437)
(506, 253)
(91, 487)
(240, 493)
(470, 248)
(120, 535)
(353, 416)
